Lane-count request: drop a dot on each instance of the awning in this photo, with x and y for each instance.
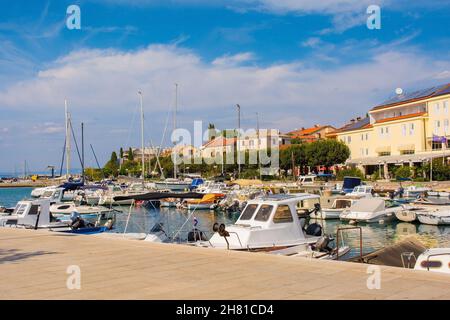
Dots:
(418, 157)
(161, 195)
(406, 147)
(383, 149)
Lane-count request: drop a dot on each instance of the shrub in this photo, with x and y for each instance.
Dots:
(403, 172)
(352, 172)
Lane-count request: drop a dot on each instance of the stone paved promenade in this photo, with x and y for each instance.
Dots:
(33, 265)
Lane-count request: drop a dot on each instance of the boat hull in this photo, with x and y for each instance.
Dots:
(326, 214)
(406, 216)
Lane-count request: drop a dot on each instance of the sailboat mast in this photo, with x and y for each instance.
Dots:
(67, 139)
(142, 136)
(174, 128)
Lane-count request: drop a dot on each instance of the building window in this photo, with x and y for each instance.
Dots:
(437, 125)
(349, 139)
(436, 145)
(384, 154)
(445, 107)
(403, 129)
(436, 108)
(367, 152)
(446, 126)
(362, 137)
(367, 136)
(407, 152)
(411, 129)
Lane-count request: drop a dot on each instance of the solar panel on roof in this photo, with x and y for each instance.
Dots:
(417, 94)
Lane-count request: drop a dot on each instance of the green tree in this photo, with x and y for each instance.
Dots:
(121, 153)
(112, 166)
(441, 171)
(403, 172)
(296, 151)
(296, 141)
(327, 153)
(130, 155)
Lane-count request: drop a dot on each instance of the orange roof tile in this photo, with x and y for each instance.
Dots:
(219, 142)
(307, 131)
(405, 116)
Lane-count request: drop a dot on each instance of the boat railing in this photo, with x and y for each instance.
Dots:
(340, 231)
(408, 256)
(435, 255)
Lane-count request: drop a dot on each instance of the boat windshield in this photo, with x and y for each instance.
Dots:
(263, 213)
(342, 204)
(283, 214)
(20, 209)
(248, 212)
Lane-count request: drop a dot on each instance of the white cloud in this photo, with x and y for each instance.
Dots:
(443, 75)
(107, 81)
(233, 60)
(47, 128)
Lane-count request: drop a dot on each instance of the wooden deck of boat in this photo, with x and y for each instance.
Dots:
(33, 265)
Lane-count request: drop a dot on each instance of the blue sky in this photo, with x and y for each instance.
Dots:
(295, 62)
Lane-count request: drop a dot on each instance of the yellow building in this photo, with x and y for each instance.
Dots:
(408, 129)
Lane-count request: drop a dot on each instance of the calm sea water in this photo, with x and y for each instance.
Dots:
(375, 236)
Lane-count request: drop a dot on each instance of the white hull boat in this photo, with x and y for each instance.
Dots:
(69, 207)
(407, 215)
(267, 224)
(434, 260)
(173, 185)
(338, 206)
(435, 218)
(201, 206)
(371, 210)
(431, 210)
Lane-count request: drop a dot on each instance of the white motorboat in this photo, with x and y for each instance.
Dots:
(107, 197)
(333, 212)
(212, 187)
(371, 210)
(422, 206)
(69, 207)
(439, 194)
(415, 191)
(435, 217)
(309, 179)
(267, 224)
(38, 192)
(435, 260)
(32, 214)
(364, 191)
(173, 184)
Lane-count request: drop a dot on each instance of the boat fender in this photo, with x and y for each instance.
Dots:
(314, 229)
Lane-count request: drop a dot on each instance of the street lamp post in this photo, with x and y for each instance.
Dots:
(238, 142)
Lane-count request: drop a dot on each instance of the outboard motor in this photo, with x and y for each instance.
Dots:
(314, 229)
(196, 235)
(322, 245)
(76, 222)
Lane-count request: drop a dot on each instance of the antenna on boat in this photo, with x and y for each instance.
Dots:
(238, 136)
(142, 136)
(174, 128)
(82, 151)
(67, 115)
